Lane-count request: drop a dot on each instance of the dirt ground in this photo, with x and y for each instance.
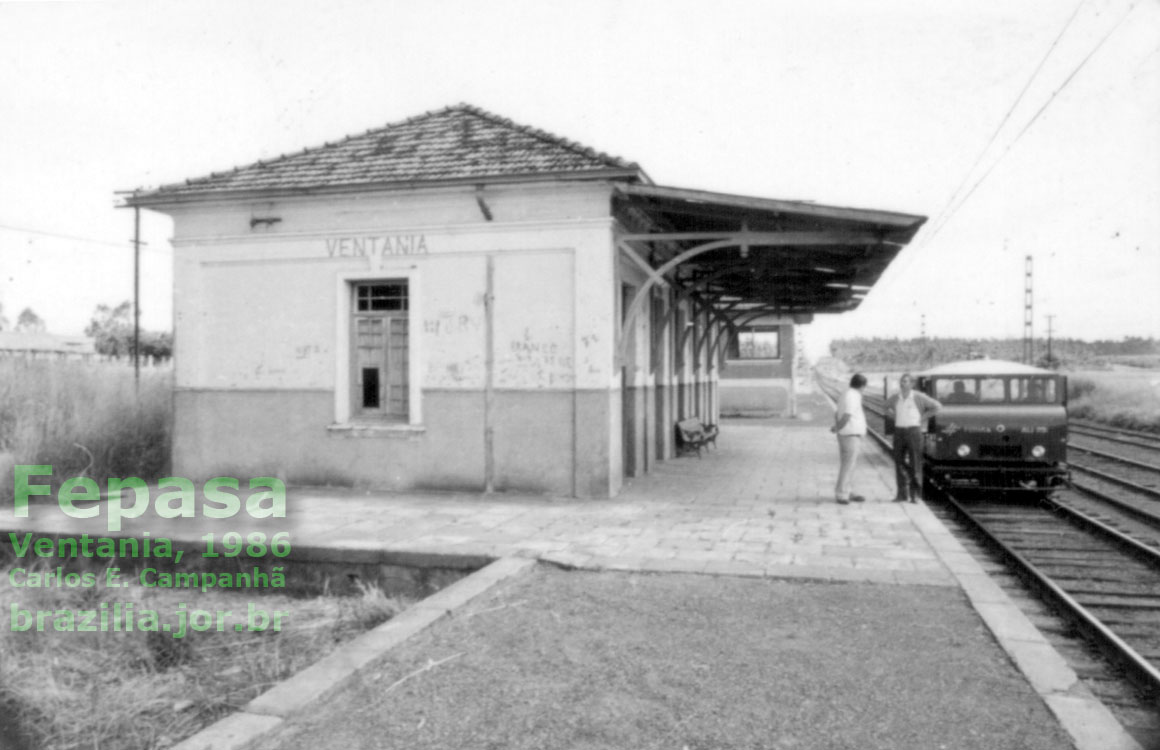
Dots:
(603, 660)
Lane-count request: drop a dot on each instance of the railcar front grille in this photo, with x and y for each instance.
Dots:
(1000, 451)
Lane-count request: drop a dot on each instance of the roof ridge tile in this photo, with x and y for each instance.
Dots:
(550, 136)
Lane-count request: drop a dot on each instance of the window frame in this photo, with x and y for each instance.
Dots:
(733, 350)
(346, 284)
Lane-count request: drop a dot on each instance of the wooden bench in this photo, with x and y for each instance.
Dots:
(692, 434)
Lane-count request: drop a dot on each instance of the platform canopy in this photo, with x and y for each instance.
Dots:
(752, 256)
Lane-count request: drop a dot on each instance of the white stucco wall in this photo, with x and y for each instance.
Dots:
(255, 308)
(257, 304)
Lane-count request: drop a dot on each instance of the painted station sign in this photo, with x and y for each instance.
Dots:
(376, 246)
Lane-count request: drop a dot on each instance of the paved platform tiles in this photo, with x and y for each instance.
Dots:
(761, 504)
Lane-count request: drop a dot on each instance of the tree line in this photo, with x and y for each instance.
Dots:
(892, 353)
(27, 322)
(110, 328)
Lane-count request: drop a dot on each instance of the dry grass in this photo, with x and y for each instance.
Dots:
(132, 691)
(605, 661)
(85, 419)
(1129, 400)
(137, 691)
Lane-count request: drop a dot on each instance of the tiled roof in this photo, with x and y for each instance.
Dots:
(456, 143)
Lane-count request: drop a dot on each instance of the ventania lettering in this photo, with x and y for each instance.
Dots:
(362, 247)
(88, 546)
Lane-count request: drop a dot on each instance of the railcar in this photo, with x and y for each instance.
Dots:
(1002, 426)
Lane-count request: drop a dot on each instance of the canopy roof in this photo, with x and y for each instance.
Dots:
(749, 256)
(754, 255)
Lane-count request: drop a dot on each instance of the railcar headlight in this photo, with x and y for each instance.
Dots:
(964, 451)
(1038, 451)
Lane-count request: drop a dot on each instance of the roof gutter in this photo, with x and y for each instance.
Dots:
(184, 195)
(871, 216)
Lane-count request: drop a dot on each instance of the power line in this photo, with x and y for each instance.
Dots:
(127, 244)
(1033, 120)
(1006, 117)
(90, 240)
(942, 217)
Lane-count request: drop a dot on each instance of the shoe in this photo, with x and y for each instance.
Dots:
(857, 498)
(901, 499)
(914, 499)
(843, 501)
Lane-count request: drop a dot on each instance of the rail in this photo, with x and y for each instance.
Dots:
(1142, 669)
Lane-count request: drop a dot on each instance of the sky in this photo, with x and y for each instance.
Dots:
(1043, 115)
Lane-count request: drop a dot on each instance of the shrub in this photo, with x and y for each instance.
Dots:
(85, 418)
(1131, 403)
(1079, 387)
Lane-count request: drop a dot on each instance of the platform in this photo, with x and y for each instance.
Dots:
(761, 503)
(759, 506)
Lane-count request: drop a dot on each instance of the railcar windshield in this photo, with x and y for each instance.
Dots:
(1008, 389)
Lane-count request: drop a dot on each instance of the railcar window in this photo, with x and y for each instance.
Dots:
(997, 390)
(1033, 390)
(992, 390)
(956, 390)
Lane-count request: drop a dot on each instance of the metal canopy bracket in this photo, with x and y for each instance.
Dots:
(719, 240)
(644, 264)
(853, 246)
(767, 239)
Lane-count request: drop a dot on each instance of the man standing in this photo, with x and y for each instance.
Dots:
(850, 427)
(909, 410)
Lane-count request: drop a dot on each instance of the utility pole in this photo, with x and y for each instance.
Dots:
(137, 299)
(1028, 324)
(1049, 357)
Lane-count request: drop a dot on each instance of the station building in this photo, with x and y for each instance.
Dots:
(459, 302)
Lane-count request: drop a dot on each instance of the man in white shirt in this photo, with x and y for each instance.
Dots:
(909, 410)
(850, 427)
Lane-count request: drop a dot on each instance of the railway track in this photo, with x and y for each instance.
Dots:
(1106, 583)
(1136, 468)
(1135, 710)
(1115, 434)
(1119, 491)
(1143, 509)
(1120, 470)
(1091, 554)
(1126, 490)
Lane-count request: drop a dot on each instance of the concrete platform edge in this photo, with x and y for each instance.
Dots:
(742, 569)
(266, 713)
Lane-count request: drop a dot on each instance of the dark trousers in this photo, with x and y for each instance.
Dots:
(908, 448)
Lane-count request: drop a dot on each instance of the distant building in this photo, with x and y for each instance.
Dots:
(456, 301)
(757, 374)
(45, 346)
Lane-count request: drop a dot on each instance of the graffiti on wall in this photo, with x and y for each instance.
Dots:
(536, 359)
(453, 350)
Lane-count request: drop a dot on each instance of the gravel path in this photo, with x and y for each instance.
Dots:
(604, 660)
